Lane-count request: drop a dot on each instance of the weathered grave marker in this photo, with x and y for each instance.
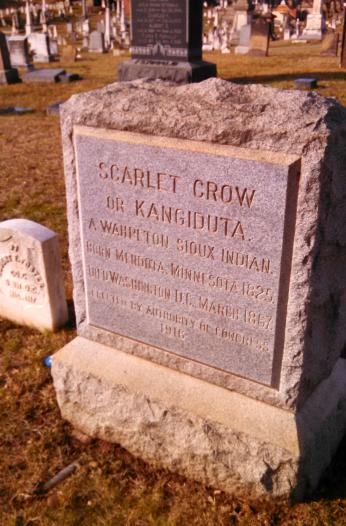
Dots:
(39, 45)
(97, 42)
(259, 40)
(52, 75)
(244, 40)
(330, 44)
(31, 281)
(19, 51)
(209, 287)
(305, 83)
(68, 53)
(343, 44)
(314, 22)
(166, 42)
(8, 74)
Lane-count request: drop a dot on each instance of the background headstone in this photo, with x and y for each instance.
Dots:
(242, 17)
(68, 53)
(31, 279)
(314, 22)
(244, 40)
(163, 33)
(166, 30)
(8, 75)
(39, 46)
(97, 42)
(330, 44)
(259, 41)
(19, 51)
(343, 44)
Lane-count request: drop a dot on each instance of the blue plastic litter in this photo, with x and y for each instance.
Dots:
(47, 361)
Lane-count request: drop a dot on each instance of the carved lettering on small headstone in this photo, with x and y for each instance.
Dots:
(31, 281)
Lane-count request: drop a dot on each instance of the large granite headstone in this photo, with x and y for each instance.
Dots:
(8, 74)
(207, 242)
(166, 42)
(31, 280)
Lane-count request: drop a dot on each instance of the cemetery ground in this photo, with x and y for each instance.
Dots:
(110, 487)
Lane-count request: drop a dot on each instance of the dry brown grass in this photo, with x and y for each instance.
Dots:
(111, 487)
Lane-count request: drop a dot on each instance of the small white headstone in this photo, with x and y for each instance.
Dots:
(31, 280)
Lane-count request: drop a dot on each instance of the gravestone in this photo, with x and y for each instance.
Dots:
(314, 22)
(100, 26)
(19, 51)
(244, 40)
(305, 83)
(97, 42)
(166, 42)
(53, 47)
(330, 44)
(259, 41)
(39, 46)
(242, 17)
(51, 75)
(8, 74)
(31, 280)
(85, 27)
(343, 45)
(54, 109)
(68, 53)
(208, 257)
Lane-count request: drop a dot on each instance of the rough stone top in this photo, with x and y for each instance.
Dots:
(195, 146)
(215, 110)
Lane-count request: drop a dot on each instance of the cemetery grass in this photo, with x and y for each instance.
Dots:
(110, 487)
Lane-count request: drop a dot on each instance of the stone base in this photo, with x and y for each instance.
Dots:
(44, 59)
(177, 72)
(311, 35)
(9, 76)
(200, 430)
(44, 75)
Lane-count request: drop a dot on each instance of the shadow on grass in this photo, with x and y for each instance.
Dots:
(71, 324)
(262, 79)
(333, 483)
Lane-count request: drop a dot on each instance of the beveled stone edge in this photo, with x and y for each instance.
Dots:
(223, 150)
(32, 229)
(176, 389)
(176, 362)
